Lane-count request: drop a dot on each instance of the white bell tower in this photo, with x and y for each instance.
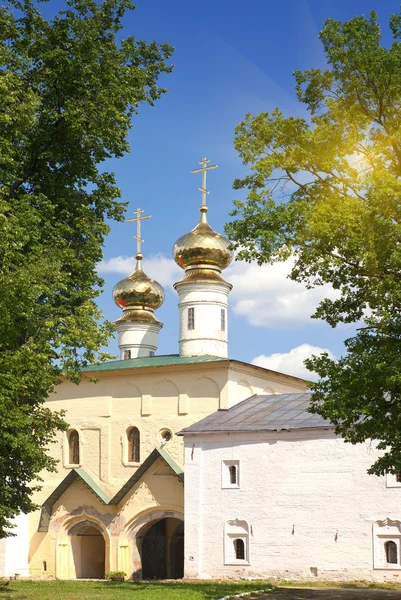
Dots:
(203, 293)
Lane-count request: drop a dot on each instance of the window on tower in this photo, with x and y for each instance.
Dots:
(126, 354)
(191, 318)
(223, 320)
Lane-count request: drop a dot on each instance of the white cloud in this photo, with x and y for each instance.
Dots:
(266, 297)
(291, 362)
(263, 295)
(157, 266)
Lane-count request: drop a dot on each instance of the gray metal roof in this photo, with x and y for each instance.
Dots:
(272, 412)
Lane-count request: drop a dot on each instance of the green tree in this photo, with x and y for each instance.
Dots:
(326, 188)
(68, 90)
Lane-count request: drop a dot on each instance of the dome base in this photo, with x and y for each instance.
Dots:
(137, 339)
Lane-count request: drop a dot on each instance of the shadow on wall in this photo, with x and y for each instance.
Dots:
(88, 551)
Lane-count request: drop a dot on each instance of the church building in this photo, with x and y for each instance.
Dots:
(117, 499)
(198, 465)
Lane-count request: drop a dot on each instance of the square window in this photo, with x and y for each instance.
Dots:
(393, 480)
(230, 474)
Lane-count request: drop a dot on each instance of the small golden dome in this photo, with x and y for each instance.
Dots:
(202, 246)
(138, 290)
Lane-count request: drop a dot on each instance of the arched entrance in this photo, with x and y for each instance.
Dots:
(162, 549)
(88, 550)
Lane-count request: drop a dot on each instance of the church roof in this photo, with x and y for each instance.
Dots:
(273, 412)
(74, 474)
(153, 456)
(151, 361)
(167, 360)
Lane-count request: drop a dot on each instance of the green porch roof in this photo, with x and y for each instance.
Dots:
(47, 506)
(153, 456)
(151, 361)
(74, 474)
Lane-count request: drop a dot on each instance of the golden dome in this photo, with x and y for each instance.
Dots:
(138, 291)
(202, 246)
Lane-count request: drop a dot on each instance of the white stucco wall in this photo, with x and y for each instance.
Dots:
(14, 550)
(2, 556)
(305, 497)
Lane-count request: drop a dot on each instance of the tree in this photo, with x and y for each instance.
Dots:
(326, 188)
(68, 90)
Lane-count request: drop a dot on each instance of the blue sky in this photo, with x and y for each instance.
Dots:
(231, 58)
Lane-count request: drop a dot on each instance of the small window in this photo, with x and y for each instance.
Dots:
(165, 436)
(126, 354)
(73, 447)
(239, 549)
(134, 453)
(191, 318)
(151, 353)
(230, 474)
(398, 476)
(233, 474)
(391, 552)
(223, 319)
(236, 542)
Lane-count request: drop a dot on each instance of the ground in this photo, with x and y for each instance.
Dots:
(331, 594)
(210, 590)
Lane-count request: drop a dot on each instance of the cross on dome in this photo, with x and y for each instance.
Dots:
(137, 219)
(204, 162)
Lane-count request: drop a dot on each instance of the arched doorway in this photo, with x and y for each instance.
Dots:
(88, 550)
(162, 549)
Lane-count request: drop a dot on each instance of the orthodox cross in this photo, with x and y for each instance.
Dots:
(203, 170)
(138, 220)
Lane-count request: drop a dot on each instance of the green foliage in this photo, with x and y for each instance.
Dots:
(68, 91)
(327, 190)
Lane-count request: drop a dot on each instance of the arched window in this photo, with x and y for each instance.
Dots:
(73, 445)
(233, 474)
(391, 552)
(239, 548)
(134, 453)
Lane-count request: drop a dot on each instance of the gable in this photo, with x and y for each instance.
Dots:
(168, 464)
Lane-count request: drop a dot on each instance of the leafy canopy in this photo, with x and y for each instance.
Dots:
(68, 90)
(326, 188)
